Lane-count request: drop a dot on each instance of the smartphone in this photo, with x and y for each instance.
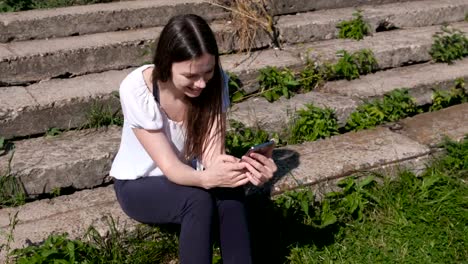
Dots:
(263, 148)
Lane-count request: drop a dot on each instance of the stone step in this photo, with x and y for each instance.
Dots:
(81, 159)
(319, 163)
(77, 159)
(28, 110)
(344, 96)
(319, 25)
(81, 20)
(35, 60)
(38, 60)
(72, 214)
(282, 7)
(97, 18)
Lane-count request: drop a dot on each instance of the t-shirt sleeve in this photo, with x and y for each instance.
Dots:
(139, 107)
(226, 101)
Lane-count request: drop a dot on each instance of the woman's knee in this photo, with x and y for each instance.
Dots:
(200, 202)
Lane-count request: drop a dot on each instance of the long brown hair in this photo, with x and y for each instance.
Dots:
(187, 37)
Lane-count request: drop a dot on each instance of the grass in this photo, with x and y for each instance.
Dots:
(23, 5)
(408, 220)
(100, 115)
(11, 190)
(144, 245)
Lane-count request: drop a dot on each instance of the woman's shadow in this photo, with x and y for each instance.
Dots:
(272, 229)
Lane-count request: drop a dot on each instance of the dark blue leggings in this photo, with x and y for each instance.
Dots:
(156, 200)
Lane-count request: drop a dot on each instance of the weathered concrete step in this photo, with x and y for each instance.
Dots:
(28, 110)
(344, 96)
(81, 20)
(322, 162)
(319, 25)
(316, 163)
(77, 159)
(31, 61)
(281, 7)
(36, 60)
(72, 214)
(391, 49)
(81, 159)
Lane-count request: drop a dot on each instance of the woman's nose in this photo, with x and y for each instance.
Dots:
(200, 83)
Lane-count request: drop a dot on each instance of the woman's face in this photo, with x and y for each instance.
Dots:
(190, 77)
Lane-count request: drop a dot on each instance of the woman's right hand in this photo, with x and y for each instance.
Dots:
(225, 171)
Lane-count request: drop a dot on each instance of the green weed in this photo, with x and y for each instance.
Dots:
(352, 66)
(394, 106)
(449, 45)
(408, 220)
(236, 93)
(275, 83)
(22, 5)
(241, 138)
(52, 132)
(11, 190)
(2, 143)
(6, 247)
(311, 77)
(100, 115)
(356, 28)
(313, 123)
(457, 156)
(144, 245)
(456, 95)
(57, 249)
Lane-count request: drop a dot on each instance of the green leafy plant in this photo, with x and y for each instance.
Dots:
(356, 28)
(57, 249)
(296, 204)
(313, 123)
(457, 95)
(240, 138)
(52, 132)
(275, 83)
(100, 115)
(352, 66)
(352, 199)
(236, 93)
(449, 45)
(395, 105)
(311, 77)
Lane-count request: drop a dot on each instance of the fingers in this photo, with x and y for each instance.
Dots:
(267, 162)
(259, 178)
(257, 165)
(255, 181)
(228, 158)
(244, 181)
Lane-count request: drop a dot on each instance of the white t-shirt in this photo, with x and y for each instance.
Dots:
(141, 110)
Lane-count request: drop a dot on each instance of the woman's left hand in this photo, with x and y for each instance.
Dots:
(260, 168)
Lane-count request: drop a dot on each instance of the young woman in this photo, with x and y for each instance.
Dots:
(171, 166)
